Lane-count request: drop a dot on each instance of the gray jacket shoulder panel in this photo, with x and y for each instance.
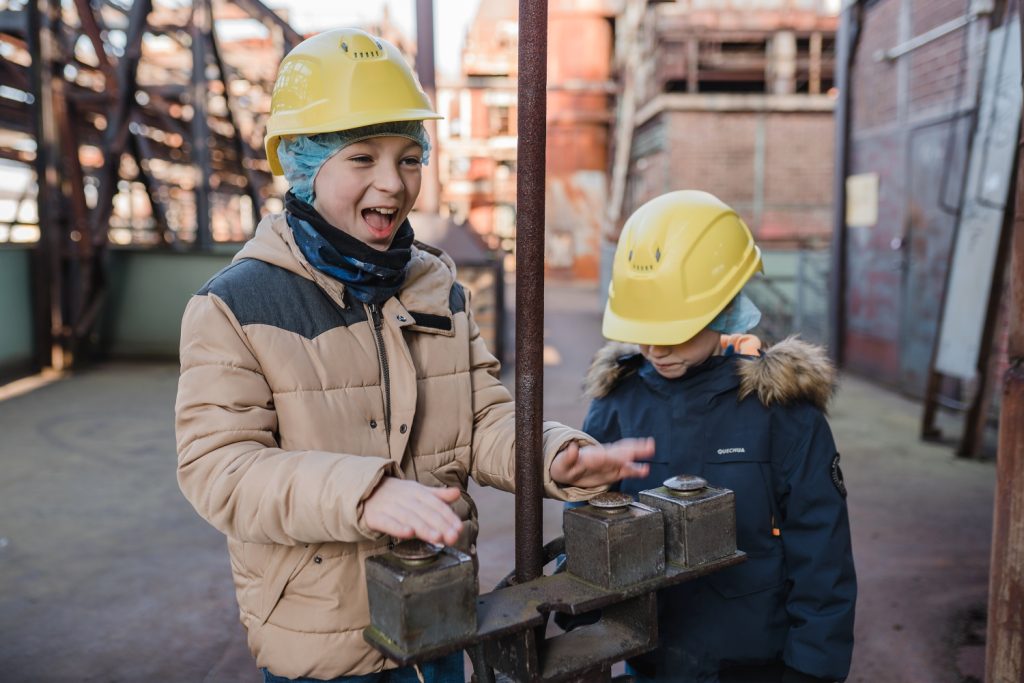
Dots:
(259, 293)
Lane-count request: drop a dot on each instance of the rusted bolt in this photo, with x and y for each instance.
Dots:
(611, 502)
(416, 552)
(685, 484)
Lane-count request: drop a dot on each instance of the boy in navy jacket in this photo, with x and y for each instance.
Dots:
(743, 419)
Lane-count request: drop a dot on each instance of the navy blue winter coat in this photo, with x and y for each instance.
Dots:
(754, 425)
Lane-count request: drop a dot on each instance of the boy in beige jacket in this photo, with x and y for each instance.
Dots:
(335, 392)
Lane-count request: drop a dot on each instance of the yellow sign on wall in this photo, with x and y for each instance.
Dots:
(862, 200)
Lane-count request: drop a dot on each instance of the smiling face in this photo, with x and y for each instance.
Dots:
(368, 188)
(673, 361)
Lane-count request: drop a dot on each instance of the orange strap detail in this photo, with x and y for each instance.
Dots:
(743, 344)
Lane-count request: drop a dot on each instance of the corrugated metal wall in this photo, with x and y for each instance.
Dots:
(910, 123)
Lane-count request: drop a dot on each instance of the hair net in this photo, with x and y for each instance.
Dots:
(741, 315)
(302, 156)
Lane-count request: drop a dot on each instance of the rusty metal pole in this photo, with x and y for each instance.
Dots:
(1004, 653)
(532, 122)
(47, 261)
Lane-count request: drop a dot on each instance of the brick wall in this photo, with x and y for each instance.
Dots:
(873, 83)
(896, 268)
(717, 152)
(936, 68)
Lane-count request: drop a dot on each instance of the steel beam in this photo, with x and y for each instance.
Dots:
(13, 22)
(141, 150)
(530, 192)
(201, 21)
(92, 29)
(48, 272)
(116, 137)
(240, 146)
(263, 14)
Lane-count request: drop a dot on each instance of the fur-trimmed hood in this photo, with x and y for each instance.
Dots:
(789, 371)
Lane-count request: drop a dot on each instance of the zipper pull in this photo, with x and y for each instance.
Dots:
(375, 314)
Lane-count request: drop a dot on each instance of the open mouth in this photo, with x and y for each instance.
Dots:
(380, 219)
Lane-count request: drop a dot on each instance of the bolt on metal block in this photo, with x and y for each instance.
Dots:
(700, 520)
(614, 542)
(422, 595)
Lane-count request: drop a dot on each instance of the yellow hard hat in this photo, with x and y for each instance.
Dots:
(681, 258)
(342, 79)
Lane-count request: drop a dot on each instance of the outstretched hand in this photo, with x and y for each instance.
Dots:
(602, 464)
(407, 509)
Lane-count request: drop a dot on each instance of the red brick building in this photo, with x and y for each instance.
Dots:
(478, 136)
(735, 100)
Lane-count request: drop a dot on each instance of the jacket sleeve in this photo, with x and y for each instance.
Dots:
(229, 464)
(494, 437)
(815, 533)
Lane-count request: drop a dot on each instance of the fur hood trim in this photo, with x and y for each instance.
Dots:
(790, 371)
(607, 369)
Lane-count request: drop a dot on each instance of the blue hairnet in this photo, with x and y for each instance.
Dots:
(301, 156)
(741, 315)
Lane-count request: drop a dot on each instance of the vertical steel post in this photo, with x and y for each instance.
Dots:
(430, 193)
(115, 139)
(1005, 640)
(201, 22)
(849, 21)
(242, 148)
(47, 264)
(532, 121)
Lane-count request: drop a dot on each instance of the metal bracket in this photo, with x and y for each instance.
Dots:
(508, 620)
(979, 8)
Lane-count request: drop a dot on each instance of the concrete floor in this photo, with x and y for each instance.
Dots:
(108, 575)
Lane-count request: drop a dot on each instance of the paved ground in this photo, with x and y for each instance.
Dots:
(106, 573)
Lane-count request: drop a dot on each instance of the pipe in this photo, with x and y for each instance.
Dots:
(934, 34)
(532, 121)
(849, 28)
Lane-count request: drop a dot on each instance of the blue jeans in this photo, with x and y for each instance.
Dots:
(447, 669)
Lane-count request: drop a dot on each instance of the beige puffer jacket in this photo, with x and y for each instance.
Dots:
(284, 427)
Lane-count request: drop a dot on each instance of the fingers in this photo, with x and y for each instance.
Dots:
(562, 469)
(407, 509)
(632, 452)
(634, 449)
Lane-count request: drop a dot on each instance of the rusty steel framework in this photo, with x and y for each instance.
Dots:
(103, 100)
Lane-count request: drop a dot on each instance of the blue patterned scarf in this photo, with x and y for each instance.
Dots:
(371, 276)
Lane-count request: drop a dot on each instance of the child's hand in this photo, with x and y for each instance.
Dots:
(603, 464)
(408, 509)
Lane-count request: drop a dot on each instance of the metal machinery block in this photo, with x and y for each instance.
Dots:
(700, 520)
(614, 542)
(422, 596)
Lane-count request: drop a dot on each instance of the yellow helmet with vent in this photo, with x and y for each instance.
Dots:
(681, 258)
(338, 80)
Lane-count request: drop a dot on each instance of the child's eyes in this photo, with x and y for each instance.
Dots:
(412, 161)
(361, 158)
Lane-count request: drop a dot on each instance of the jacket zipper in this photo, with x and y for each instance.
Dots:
(378, 326)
